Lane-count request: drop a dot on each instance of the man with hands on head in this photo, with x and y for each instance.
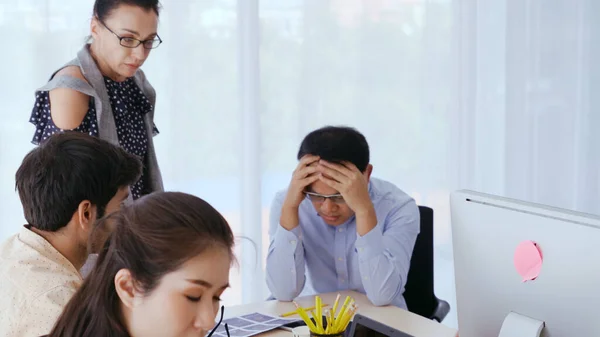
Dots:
(338, 227)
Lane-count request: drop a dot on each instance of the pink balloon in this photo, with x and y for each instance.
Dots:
(528, 260)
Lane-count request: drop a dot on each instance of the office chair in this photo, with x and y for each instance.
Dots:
(419, 293)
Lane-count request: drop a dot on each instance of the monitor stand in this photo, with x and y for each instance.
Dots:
(517, 325)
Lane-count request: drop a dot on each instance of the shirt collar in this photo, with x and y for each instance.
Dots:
(32, 239)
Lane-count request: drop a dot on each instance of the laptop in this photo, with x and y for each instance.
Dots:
(363, 326)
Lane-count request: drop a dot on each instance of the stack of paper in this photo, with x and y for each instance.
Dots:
(251, 324)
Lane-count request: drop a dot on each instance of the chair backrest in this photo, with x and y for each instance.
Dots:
(419, 292)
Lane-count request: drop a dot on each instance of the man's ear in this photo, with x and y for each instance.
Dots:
(86, 215)
(368, 172)
(125, 287)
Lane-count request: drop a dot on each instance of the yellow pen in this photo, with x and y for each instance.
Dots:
(305, 317)
(311, 325)
(342, 312)
(348, 318)
(292, 313)
(335, 304)
(345, 305)
(331, 324)
(319, 311)
(318, 322)
(342, 315)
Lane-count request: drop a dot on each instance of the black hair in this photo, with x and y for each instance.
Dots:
(337, 144)
(103, 8)
(68, 168)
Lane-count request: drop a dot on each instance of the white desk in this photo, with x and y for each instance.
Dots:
(392, 316)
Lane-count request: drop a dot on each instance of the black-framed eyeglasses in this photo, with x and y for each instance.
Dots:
(217, 326)
(131, 42)
(316, 197)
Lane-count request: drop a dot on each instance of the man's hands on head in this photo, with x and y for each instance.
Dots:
(349, 182)
(344, 177)
(305, 174)
(353, 185)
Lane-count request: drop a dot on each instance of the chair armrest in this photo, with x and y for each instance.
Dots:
(441, 311)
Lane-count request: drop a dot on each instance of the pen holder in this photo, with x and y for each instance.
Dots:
(337, 334)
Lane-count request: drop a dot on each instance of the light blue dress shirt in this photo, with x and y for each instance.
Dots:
(337, 258)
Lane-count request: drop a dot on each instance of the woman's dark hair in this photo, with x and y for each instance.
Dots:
(337, 144)
(153, 236)
(103, 8)
(68, 168)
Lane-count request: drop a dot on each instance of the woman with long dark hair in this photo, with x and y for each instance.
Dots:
(160, 273)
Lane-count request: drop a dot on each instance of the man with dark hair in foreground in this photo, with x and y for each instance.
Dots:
(348, 231)
(65, 185)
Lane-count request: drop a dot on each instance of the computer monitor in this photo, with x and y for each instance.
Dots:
(486, 231)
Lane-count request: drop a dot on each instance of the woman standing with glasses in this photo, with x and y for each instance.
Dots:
(103, 91)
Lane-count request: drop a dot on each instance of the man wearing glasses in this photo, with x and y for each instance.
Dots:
(338, 227)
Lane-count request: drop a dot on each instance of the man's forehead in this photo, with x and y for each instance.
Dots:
(321, 188)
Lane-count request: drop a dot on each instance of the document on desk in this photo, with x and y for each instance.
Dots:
(251, 324)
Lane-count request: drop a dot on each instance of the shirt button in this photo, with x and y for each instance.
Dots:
(361, 249)
(293, 242)
(342, 280)
(340, 230)
(340, 259)
(366, 278)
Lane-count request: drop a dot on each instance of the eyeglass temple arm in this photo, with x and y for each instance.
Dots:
(220, 320)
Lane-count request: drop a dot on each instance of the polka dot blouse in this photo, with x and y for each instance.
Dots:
(129, 105)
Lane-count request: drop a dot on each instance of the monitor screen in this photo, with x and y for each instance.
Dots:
(363, 326)
(363, 331)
